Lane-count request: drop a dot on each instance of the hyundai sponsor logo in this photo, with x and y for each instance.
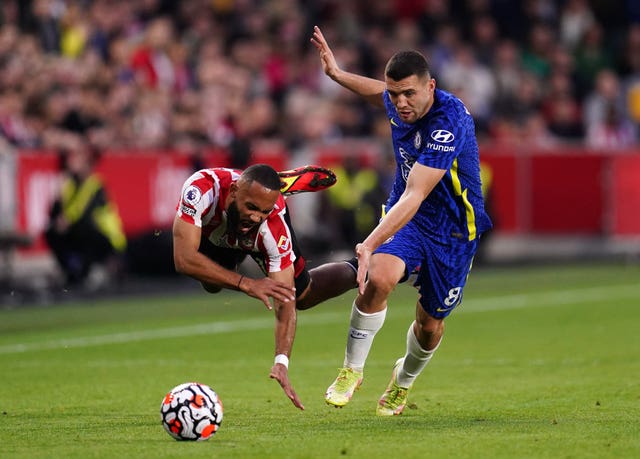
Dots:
(438, 147)
(442, 136)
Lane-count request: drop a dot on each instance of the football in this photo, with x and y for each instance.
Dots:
(191, 411)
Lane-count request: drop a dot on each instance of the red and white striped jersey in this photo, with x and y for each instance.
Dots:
(202, 204)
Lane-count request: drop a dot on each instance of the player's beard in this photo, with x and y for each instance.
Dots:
(235, 224)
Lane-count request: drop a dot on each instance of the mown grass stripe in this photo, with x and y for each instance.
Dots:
(475, 305)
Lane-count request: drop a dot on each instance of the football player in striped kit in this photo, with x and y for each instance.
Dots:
(225, 215)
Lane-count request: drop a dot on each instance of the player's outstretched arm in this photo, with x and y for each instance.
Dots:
(285, 330)
(367, 88)
(420, 182)
(189, 261)
(280, 373)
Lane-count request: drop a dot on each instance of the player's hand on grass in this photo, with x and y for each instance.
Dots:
(364, 255)
(281, 374)
(266, 288)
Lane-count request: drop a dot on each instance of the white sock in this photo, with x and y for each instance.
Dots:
(363, 328)
(415, 360)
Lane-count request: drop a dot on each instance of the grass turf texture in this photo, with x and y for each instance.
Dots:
(537, 362)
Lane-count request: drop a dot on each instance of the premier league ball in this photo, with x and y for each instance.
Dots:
(191, 411)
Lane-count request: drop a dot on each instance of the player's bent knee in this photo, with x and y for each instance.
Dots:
(427, 324)
(211, 288)
(309, 297)
(301, 304)
(382, 281)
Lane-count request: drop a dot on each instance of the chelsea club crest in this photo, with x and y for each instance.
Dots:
(417, 140)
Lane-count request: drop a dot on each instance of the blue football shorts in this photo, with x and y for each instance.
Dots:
(443, 268)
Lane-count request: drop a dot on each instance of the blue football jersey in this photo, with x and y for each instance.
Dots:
(443, 139)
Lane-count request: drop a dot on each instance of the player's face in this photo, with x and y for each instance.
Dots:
(251, 204)
(412, 96)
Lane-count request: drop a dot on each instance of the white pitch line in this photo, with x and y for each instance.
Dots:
(505, 302)
(557, 298)
(211, 328)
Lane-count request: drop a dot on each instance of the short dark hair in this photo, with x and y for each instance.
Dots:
(406, 63)
(264, 174)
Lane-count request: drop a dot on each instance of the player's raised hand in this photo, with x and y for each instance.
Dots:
(280, 373)
(329, 64)
(364, 256)
(264, 289)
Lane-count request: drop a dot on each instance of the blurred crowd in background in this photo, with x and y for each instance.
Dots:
(187, 73)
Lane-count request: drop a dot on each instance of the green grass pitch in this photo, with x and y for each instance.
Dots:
(540, 362)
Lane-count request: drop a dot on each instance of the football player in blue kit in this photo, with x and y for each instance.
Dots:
(433, 220)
